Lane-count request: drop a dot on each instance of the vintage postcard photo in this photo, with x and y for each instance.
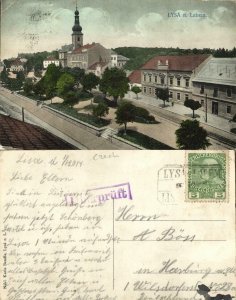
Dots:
(118, 75)
(139, 225)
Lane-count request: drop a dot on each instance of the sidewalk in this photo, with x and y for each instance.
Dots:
(213, 120)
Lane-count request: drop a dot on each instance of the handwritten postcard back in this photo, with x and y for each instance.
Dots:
(117, 225)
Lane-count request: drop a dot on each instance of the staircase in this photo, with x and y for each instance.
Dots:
(109, 132)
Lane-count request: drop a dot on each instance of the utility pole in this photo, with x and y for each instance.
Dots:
(23, 114)
(206, 109)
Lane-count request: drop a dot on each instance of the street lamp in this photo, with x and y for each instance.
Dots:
(206, 109)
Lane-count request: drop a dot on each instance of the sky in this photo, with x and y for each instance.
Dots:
(32, 26)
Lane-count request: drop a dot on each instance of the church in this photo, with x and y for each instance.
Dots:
(90, 57)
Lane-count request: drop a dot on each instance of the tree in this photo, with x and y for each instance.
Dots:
(190, 136)
(20, 76)
(28, 87)
(39, 88)
(90, 81)
(71, 98)
(192, 104)
(76, 72)
(65, 84)
(125, 113)
(135, 89)
(50, 80)
(4, 75)
(100, 110)
(163, 94)
(115, 83)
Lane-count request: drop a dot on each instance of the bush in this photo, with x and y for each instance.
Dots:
(99, 98)
(143, 140)
(234, 118)
(143, 116)
(84, 95)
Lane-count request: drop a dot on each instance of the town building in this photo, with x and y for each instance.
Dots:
(17, 65)
(135, 79)
(215, 87)
(90, 57)
(51, 60)
(174, 72)
(118, 60)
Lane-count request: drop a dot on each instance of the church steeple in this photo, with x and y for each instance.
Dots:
(77, 35)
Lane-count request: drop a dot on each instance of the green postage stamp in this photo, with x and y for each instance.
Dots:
(207, 176)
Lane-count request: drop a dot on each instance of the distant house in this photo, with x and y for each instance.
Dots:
(174, 72)
(17, 65)
(135, 78)
(15, 134)
(98, 68)
(117, 60)
(215, 87)
(51, 60)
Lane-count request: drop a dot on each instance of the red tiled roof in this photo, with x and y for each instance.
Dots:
(135, 76)
(93, 66)
(176, 63)
(20, 135)
(85, 47)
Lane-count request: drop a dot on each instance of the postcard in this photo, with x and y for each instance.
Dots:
(145, 225)
(118, 75)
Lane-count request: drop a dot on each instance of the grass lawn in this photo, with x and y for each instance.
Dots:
(143, 140)
(87, 118)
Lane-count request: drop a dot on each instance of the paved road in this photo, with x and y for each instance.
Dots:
(51, 121)
(217, 136)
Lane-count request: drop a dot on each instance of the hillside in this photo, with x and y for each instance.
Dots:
(139, 56)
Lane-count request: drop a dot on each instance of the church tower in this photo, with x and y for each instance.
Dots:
(77, 35)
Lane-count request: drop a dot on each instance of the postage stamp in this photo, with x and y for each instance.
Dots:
(207, 176)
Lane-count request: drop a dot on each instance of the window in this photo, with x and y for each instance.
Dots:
(228, 109)
(229, 93)
(187, 82)
(202, 102)
(144, 77)
(186, 97)
(178, 81)
(78, 39)
(202, 89)
(162, 80)
(215, 92)
(150, 90)
(145, 89)
(171, 95)
(150, 78)
(156, 79)
(171, 80)
(178, 96)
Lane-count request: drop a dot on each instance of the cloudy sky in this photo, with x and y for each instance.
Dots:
(30, 25)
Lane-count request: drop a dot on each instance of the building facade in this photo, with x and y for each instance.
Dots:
(49, 61)
(118, 60)
(174, 72)
(215, 87)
